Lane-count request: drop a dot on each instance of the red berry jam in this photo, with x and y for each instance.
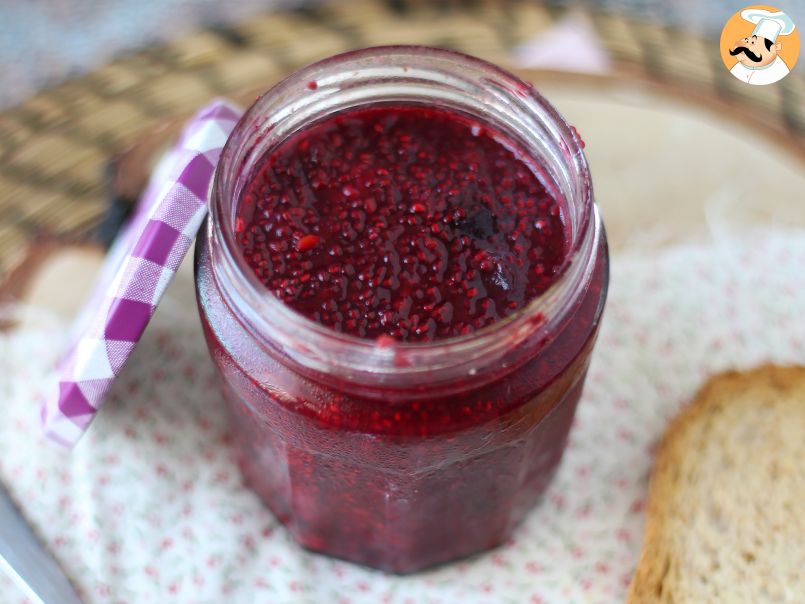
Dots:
(413, 222)
(418, 226)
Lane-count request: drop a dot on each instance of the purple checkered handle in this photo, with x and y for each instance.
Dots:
(137, 270)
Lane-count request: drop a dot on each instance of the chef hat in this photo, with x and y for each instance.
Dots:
(769, 25)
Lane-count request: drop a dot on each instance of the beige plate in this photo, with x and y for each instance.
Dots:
(668, 171)
(665, 171)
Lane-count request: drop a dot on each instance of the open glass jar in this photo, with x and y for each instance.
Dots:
(404, 456)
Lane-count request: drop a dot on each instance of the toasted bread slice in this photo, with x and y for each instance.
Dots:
(726, 510)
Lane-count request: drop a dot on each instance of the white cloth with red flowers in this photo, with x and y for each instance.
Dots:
(150, 508)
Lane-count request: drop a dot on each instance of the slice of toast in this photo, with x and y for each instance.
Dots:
(726, 512)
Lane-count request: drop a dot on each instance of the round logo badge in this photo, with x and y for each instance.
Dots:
(760, 45)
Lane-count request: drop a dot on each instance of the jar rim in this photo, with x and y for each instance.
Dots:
(305, 340)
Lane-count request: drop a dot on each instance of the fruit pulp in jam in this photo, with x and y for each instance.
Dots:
(413, 222)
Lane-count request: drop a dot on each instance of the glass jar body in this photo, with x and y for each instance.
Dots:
(401, 481)
(407, 456)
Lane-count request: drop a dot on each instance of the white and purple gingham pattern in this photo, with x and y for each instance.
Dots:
(137, 270)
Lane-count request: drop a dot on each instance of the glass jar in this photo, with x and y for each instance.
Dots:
(407, 455)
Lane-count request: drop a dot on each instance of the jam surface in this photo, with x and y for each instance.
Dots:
(407, 221)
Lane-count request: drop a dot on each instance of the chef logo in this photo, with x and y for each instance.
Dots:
(760, 45)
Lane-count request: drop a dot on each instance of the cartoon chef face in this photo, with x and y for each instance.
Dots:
(755, 51)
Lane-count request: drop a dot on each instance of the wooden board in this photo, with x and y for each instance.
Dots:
(677, 173)
(677, 152)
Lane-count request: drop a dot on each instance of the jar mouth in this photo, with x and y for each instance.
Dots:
(405, 74)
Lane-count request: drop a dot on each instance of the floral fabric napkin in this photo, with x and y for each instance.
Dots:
(149, 507)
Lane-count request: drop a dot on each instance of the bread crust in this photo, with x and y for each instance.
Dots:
(648, 584)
